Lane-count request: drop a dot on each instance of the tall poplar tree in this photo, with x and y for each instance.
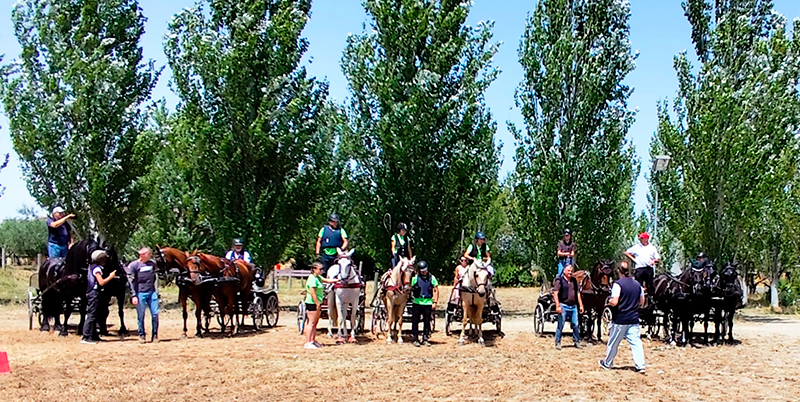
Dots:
(575, 168)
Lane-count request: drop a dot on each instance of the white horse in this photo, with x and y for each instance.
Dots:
(347, 294)
(474, 285)
(397, 286)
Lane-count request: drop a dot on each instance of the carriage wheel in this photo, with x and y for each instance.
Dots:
(606, 320)
(257, 311)
(378, 320)
(360, 317)
(301, 317)
(498, 324)
(272, 311)
(538, 320)
(447, 319)
(30, 310)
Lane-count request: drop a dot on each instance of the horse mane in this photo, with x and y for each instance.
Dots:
(79, 256)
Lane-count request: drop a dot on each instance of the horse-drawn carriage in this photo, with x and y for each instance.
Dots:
(263, 308)
(35, 300)
(350, 293)
(380, 316)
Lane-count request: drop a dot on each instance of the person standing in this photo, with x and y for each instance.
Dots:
(645, 257)
(566, 252)
(401, 247)
(145, 294)
(568, 302)
(330, 238)
(425, 291)
(94, 281)
(315, 292)
(59, 233)
(627, 296)
(237, 252)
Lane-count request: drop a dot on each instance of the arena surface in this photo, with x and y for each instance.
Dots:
(272, 365)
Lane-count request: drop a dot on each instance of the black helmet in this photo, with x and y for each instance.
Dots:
(701, 255)
(422, 266)
(402, 226)
(479, 235)
(567, 232)
(238, 242)
(333, 218)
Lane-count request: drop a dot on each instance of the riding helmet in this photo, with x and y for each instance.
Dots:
(567, 232)
(701, 255)
(402, 226)
(333, 218)
(238, 242)
(422, 266)
(479, 235)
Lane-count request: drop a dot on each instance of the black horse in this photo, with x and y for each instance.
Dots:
(701, 277)
(727, 299)
(62, 281)
(116, 288)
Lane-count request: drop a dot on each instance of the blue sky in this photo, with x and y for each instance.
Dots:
(658, 32)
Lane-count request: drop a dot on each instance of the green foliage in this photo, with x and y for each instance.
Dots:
(731, 189)
(510, 275)
(3, 166)
(788, 292)
(24, 237)
(574, 167)
(74, 104)
(422, 140)
(258, 131)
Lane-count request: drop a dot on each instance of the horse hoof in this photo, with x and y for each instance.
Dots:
(330, 335)
(44, 328)
(400, 340)
(389, 341)
(480, 342)
(62, 334)
(57, 328)
(462, 342)
(183, 336)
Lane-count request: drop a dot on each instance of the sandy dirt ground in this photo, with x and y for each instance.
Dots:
(272, 365)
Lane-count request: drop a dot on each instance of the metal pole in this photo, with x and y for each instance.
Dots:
(655, 217)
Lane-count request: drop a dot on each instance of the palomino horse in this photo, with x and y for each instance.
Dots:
(595, 288)
(168, 258)
(347, 293)
(473, 298)
(397, 285)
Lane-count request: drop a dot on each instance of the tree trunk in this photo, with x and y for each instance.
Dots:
(775, 277)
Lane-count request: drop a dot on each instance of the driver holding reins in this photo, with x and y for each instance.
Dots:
(479, 250)
(330, 238)
(238, 252)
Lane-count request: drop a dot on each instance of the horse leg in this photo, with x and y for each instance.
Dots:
(462, 340)
(333, 315)
(399, 312)
(183, 294)
(197, 308)
(123, 330)
(67, 313)
(730, 314)
(341, 309)
(354, 302)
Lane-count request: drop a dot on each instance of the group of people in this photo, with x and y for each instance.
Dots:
(627, 297)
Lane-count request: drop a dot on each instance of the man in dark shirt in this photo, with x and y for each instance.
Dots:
(568, 301)
(59, 233)
(143, 284)
(566, 251)
(627, 296)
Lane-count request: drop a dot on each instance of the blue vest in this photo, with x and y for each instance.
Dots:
(627, 309)
(91, 281)
(331, 238)
(424, 287)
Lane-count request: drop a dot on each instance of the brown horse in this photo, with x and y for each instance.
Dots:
(396, 285)
(234, 288)
(168, 259)
(595, 289)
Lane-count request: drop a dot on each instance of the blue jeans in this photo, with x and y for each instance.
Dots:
(56, 251)
(572, 311)
(631, 333)
(147, 300)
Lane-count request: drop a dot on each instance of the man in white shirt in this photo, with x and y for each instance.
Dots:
(645, 257)
(238, 252)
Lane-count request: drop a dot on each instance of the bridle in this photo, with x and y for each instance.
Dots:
(475, 277)
(402, 283)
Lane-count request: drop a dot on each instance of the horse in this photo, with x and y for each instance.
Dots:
(728, 297)
(170, 259)
(473, 291)
(62, 281)
(397, 287)
(347, 293)
(595, 288)
(117, 288)
(659, 299)
(229, 293)
(701, 280)
(193, 281)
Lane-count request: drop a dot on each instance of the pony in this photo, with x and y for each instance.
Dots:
(396, 285)
(727, 299)
(473, 291)
(595, 288)
(346, 293)
(63, 280)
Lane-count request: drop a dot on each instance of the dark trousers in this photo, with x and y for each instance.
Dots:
(327, 261)
(645, 278)
(90, 324)
(418, 310)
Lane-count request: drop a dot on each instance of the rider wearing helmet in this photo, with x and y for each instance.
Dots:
(237, 252)
(401, 248)
(566, 251)
(425, 293)
(479, 250)
(330, 238)
(702, 262)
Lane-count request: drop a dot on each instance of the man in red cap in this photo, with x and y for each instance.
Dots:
(645, 257)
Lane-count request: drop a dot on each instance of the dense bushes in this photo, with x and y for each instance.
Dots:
(513, 276)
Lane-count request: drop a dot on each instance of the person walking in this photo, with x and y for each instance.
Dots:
(566, 251)
(627, 296)
(315, 293)
(94, 281)
(145, 294)
(330, 238)
(59, 233)
(425, 291)
(645, 257)
(568, 303)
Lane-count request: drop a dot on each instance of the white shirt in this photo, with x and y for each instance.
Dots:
(645, 256)
(244, 256)
(616, 289)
